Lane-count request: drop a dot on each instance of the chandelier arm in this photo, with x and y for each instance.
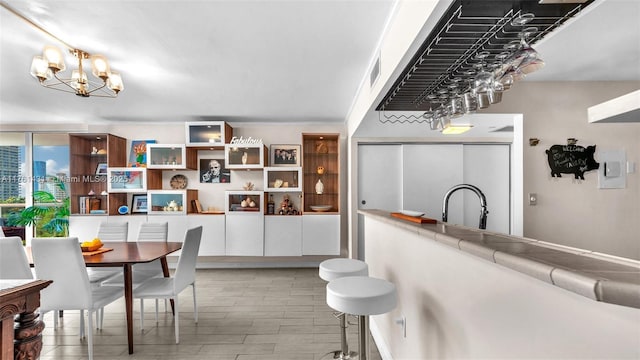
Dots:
(104, 83)
(51, 86)
(63, 81)
(27, 20)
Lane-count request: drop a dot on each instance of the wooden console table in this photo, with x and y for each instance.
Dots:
(21, 336)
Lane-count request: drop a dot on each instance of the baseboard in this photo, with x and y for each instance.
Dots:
(254, 265)
(383, 348)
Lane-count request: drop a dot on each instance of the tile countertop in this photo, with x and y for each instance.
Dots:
(598, 276)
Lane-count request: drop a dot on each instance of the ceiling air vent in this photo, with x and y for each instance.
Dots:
(508, 128)
(375, 71)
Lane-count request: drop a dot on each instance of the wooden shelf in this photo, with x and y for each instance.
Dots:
(321, 150)
(83, 165)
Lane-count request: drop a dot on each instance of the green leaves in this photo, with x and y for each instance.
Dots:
(53, 214)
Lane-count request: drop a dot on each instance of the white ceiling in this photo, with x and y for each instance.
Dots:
(185, 60)
(254, 60)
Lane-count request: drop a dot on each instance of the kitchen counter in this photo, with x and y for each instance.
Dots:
(594, 275)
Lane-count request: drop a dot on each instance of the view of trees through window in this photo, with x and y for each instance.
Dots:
(37, 197)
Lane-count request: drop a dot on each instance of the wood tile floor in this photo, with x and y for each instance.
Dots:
(243, 314)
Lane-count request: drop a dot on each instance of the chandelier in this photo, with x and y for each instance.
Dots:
(48, 68)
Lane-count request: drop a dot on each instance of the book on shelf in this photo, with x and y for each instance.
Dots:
(88, 203)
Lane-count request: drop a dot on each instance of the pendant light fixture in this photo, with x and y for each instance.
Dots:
(49, 68)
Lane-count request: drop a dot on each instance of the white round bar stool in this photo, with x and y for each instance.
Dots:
(362, 296)
(334, 269)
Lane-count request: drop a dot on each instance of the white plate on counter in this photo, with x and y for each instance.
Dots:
(411, 213)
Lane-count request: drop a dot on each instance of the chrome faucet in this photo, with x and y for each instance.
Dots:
(483, 203)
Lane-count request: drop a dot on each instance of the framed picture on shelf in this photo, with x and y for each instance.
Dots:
(138, 154)
(285, 155)
(101, 169)
(133, 179)
(139, 204)
(213, 171)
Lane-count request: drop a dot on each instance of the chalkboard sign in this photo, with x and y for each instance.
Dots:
(571, 159)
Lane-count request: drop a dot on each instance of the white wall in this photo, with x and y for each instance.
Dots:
(212, 195)
(409, 19)
(454, 310)
(575, 212)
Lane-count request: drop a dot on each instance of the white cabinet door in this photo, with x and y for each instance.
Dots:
(213, 233)
(283, 235)
(320, 234)
(244, 233)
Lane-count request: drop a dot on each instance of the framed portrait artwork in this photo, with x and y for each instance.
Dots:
(139, 204)
(213, 171)
(285, 155)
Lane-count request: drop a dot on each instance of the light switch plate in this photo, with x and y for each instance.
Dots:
(612, 169)
(610, 173)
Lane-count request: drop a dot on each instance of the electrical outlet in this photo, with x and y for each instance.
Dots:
(402, 321)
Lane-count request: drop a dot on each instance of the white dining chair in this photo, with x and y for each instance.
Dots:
(113, 231)
(148, 231)
(170, 287)
(60, 260)
(144, 271)
(13, 259)
(108, 232)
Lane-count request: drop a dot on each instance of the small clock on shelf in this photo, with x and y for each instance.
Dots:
(178, 181)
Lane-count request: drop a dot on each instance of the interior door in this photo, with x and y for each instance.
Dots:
(487, 166)
(429, 171)
(379, 182)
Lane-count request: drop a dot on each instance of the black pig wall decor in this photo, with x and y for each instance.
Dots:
(571, 159)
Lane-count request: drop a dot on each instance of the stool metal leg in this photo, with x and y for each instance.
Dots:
(343, 353)
(363, 337)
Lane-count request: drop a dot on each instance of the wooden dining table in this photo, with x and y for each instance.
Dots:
(125, 255)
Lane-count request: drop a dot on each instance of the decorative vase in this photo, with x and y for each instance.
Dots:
(244, 158)
(319, 187)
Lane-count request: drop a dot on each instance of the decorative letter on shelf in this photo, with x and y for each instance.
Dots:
(571, 159)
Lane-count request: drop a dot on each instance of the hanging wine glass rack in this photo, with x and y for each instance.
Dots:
(445, 64)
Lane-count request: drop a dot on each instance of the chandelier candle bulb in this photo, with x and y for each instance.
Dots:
(100, 66)
(40, 69)
(54, 59)
(115, 82)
